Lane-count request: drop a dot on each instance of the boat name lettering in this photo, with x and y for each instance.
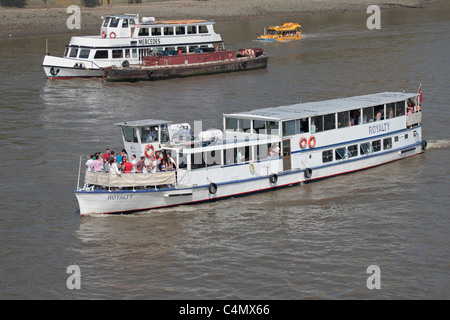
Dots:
(376, 128)
(149, 41)
(120, 197)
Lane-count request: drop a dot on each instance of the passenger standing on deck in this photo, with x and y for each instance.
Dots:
(140, 165)
(97, 164)
(127, 166)
(113, 168)
(133, 162)
(106, 155)
(89, 163)
(171, 163)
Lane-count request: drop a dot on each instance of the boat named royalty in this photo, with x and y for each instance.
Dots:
(256, 151)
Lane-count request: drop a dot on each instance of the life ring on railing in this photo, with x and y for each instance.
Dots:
(103, 34)
(251, 167)
(312, 142)
(303, 142)
(112, 35)
(147, 147)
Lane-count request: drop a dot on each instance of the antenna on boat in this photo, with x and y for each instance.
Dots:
(46, 47)
(79, 173)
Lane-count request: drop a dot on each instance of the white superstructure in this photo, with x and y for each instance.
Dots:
(260, 150)
(124, 40)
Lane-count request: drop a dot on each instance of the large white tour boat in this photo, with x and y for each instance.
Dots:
(125, 40)
(257, 151)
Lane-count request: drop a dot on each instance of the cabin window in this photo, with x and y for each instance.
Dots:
(316, 124)
(355, 117)
(343, 119)
(330, 121)
(117, 54)
(168, 31)
(244, 125)
(304, 125)
(114, 22)
(66, 52)
(134, 53)
(143, 32)
(149, 134)
(101, 54)
(378, 113)
(127, 53)
(84, 53)
(180, 30)
(352, 151)
(202, 29)
(390, 110)
(387, 143)
(197, 161)
(228, 156)
(213, 158)
(156, 31)
(262, 151)
(106, 21)
(368, 115)
(341, 153)
(400, 108)
(192, 48)
(290, 127)
(129, 134)
(192, 29)
(376, 145)
(364, 148)
(327, 156)
(231, 124)
(164, 133)
(259, 126)
(272, 128)
(73, 53)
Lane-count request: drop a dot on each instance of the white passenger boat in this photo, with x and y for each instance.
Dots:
(124, 40)
(259, 150)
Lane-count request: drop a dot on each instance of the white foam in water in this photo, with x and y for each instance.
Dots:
(438, 144)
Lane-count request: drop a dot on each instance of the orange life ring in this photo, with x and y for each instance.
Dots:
(103, 34)
(112, 35)
(147, 147)
(312, 142)
(303, 142)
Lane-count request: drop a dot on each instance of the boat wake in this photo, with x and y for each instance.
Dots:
(438, 144)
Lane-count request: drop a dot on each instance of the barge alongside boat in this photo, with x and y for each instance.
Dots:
(188, 64)
(258, 150)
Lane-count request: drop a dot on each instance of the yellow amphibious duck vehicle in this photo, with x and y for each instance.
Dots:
(287, 32)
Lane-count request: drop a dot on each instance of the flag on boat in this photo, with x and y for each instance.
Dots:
(420, 93)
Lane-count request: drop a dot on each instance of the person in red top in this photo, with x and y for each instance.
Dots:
(107, 154)
(127, 166)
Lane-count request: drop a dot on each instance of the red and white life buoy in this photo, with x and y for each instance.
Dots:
(112, 35)
(312, 142)
(103, 34)
(303, 142)
(146, 150)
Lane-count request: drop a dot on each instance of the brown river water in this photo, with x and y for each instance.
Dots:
(313, 241)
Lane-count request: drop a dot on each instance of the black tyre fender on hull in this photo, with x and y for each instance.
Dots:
(273, 178)
(212, 188)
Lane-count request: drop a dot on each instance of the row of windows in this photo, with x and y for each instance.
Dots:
(355, 150)
(344, 119)
(231, 156)
(113, 22)
(170, 31)
(126, 53)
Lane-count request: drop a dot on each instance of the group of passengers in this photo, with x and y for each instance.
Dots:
(120, 163)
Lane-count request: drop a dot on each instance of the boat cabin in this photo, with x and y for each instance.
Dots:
(119, 26)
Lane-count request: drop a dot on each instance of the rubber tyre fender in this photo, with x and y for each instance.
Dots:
(273, 178)
(308, 173)
(212, 188)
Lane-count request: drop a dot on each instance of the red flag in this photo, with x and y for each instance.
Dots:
(420, 92)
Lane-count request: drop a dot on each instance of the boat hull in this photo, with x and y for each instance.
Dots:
(129, 201)
(144, 73)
